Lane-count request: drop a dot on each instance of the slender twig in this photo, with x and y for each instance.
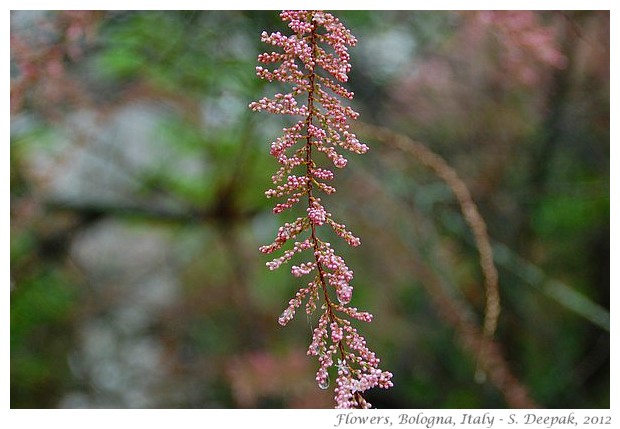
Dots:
(470, 212)
(453, 309)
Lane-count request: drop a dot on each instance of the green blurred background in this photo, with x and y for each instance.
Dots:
(137, 208)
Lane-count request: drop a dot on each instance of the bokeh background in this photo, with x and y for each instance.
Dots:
(137, 208)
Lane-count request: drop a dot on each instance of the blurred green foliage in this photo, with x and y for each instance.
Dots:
(42, 315)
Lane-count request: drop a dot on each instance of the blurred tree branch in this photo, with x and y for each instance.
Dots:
(478, 342)
(468, 208)
(99, 209)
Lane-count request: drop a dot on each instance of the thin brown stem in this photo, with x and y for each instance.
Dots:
(455, 312)
(470, 213)
(309, 165)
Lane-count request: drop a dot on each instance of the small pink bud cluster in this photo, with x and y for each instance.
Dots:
(288, 254)
(342, 232)
(320, 41)
(292, 183)
(282, 104)
(285, 233)
(317, 213)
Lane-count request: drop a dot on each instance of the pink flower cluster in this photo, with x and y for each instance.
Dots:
(527, 43)
(319, 41)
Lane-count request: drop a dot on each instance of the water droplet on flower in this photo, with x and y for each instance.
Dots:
(324, 384)
(286, 316)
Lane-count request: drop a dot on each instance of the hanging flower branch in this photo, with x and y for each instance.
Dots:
(313, 60)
